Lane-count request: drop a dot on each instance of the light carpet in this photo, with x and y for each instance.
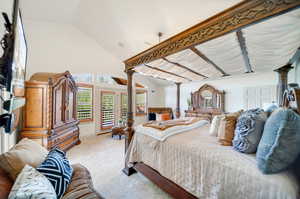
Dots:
(104, 157)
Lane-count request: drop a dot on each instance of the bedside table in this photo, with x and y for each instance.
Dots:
(118, 131)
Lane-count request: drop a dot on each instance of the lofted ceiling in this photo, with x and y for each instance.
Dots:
(125, 28)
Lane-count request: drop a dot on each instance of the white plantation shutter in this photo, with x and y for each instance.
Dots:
(124, 107)
(85, 103)
(107, 110)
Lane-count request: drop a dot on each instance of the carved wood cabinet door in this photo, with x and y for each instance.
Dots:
(70, 103)
(58, 104)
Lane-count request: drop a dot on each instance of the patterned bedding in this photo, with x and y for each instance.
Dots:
(195, 161)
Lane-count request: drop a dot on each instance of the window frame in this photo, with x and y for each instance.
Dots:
(121, 94)
(84, 85)
(101, 113)
(146, 102)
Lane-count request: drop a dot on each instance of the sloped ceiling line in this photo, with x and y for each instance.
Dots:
(205, 58)
(184, 67)
(168, 72)
(242, 42)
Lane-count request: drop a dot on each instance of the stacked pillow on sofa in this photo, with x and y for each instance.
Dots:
(271, 134)
(37, 173)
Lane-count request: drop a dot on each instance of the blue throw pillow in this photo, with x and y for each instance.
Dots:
(57, 169)
(248, 131)
(269, 110)
(280, 144)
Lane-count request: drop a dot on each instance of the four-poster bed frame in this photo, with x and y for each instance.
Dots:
(234, 19)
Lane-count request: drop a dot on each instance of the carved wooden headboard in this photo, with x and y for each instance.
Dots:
(206, 102)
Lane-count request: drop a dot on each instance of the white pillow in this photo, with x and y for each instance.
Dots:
(158, 117)
(215, 124)
(31, 184)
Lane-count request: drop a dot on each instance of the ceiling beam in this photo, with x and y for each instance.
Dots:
(168, 72)
(200, 54)
(184, 67)
(243, 46)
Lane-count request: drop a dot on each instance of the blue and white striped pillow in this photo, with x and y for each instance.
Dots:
(57, 169)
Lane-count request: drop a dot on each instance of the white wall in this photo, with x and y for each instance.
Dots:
(297, 72)
(156, 96)
(233, 86)
(57, 47)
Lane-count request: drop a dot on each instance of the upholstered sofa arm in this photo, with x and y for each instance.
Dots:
(81, 185)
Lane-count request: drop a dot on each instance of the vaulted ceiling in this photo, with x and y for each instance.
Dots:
(125, 28)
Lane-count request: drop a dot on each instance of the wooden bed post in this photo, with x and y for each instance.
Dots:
(129, 132)
(282, 82)
(178, 100)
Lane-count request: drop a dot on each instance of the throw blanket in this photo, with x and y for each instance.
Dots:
(162, 130)
(163, 125)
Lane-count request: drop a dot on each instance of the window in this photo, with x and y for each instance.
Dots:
(124, 107)
(85, 102)
(141, 102)
(107, 110)
(83, 78)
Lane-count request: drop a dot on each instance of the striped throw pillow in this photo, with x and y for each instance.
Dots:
(57, 169)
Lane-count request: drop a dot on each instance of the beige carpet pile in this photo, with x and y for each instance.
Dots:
(104, 157)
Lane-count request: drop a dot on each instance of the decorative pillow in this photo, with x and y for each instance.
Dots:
(279, 145)
(248, 130)
(57, 169)
(81, 186)
(165, 116)
(25, 152)
(31, 184)
(215, 124)
(270, 109)
(151, 116)
(158, 117)
(227, 127)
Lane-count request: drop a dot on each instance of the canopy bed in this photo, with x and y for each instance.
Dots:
(251, 36)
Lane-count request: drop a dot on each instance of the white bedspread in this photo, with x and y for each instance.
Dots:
(163, 135)
(195, 161)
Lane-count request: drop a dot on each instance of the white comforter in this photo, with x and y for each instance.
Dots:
(195, 161)
(163, 135)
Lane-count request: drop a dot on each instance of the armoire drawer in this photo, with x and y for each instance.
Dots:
(64, 140)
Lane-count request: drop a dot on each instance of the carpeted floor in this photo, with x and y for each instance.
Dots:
(104, 157)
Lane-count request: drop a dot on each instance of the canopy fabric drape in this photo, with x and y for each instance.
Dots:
(259, 47)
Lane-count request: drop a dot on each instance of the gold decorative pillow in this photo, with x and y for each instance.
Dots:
(25, 152)
(227, 127)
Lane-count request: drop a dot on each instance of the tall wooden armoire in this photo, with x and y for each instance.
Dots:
(50, 116)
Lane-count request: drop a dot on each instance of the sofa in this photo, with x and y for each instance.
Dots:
(81, 185)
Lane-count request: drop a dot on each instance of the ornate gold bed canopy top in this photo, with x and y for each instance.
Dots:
(227, 43)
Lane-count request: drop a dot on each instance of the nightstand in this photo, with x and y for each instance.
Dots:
(118, 131)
